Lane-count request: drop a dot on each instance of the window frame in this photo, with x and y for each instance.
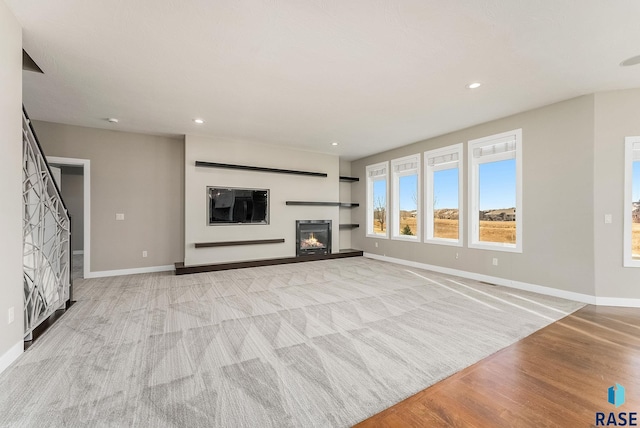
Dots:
(473, 188)
(370, 208)
(429, 193)
(628, 260)
(395, 213)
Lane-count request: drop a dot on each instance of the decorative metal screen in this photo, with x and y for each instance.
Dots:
(46, 233)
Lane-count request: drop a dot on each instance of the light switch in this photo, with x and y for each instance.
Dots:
(608, 218)
(119, 216)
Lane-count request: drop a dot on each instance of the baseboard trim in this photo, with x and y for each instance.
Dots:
(78, 252)
(135, 271)
(618, 301)
(569, 295)
(11, 355)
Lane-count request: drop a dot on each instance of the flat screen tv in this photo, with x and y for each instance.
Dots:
(228, 205)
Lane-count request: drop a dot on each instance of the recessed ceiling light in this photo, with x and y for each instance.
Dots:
(112, 120)
(198, 121)
(630, 61)
(474, 85)
(335, 143)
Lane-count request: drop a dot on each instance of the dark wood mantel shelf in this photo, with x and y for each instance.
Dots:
(259, 169)
(233, 243)
(324, 204)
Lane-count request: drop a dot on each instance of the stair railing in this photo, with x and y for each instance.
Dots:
(46, 236)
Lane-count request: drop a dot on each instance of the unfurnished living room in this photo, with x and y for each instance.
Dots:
(396, 213)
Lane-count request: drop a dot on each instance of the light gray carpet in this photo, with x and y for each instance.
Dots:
(312, 344)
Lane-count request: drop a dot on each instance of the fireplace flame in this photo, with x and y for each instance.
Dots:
(311, 242)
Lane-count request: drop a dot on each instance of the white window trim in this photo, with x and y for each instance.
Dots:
(370, 201)
(474, 222)
(628, 200)
(428, 202)
(395, 213)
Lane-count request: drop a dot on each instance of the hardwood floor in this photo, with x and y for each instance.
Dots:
(558, 376)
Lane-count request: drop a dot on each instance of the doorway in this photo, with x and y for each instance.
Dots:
(75, 186)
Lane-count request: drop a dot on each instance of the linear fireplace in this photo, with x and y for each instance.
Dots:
(313, 237)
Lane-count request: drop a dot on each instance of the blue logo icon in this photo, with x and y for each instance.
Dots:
(616, 395)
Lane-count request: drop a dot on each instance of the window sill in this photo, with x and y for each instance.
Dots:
(633, 263)
(496, 247)
(449, 242)
(414, 238)
(376, 235)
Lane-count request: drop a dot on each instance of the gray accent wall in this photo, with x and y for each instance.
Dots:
(558, 201)
(11, 288)
(617, 116)
(138, 175)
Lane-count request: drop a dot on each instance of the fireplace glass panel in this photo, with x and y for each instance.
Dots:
(313, 237)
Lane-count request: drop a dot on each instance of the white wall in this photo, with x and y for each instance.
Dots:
(282, 187)
(11, 290)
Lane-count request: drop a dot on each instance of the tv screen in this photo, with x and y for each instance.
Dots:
(228, 205)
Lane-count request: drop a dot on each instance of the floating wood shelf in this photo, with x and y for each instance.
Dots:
(324, 204)
(349, 226)
(181, 269)
(233, 243)
(259, 169)
(349, 179)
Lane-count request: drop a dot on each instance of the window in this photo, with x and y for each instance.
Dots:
(495, 192)
(377, 200)
(443, 203)
(632, 202)
(405, 216)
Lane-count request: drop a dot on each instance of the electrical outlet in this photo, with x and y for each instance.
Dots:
(376, 245)
(11, 315)
(495, 261)
(144, 253)
(608, 218)
(119, 216)
(457, 256)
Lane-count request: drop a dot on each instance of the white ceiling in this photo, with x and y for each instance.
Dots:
(371, 74)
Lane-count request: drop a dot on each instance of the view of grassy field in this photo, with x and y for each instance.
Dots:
(498, 231)
(404, 221)
(409, 221)
(490, 231)
(445, 228)
(379, 227)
